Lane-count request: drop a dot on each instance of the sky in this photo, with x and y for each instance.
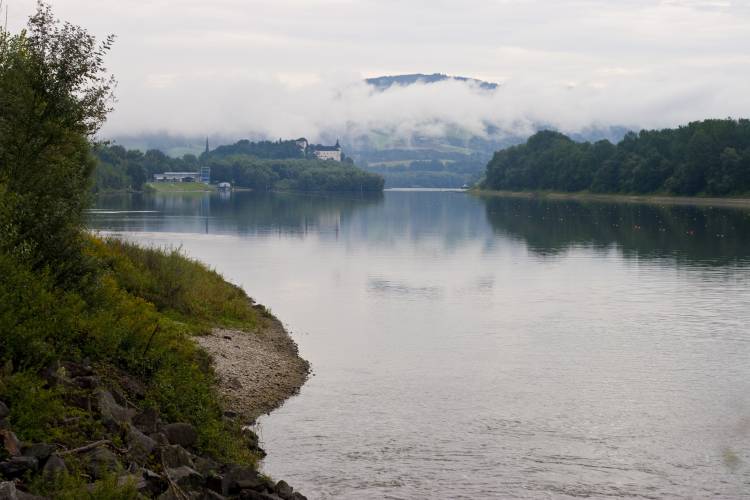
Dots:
(289, 68)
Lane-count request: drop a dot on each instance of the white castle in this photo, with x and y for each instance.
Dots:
(319, 151)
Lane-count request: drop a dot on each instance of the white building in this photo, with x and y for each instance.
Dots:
(327, 152)
(178, 177)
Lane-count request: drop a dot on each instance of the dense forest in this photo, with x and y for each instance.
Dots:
(710, 157)
(120, 169)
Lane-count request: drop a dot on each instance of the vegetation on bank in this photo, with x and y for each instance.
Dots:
(711, 157)
(262, 166)
(179, 187)
(70, 301)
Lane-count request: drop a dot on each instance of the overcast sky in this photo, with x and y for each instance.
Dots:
(287, 68)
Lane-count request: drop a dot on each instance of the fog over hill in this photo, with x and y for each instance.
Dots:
(427, 130)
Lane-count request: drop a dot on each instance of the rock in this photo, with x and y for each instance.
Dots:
(186, 477)
(147, 421)
(257, 495)
(298, 496)
(183, 434)
(135, 480)
(160, 438)
(212, 495)
(140, 445)
(284, 490)
(40, 451)
(155, 484)
(175, 456)
(4, 424)
(4, 411)
(87, 382)
(113, 415)
(18, 466)
(101, 461)
(54, 466)
(8, 491)
(236, 474)
(11, 443)
(205, 465)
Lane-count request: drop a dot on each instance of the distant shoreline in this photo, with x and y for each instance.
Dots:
(620, 198)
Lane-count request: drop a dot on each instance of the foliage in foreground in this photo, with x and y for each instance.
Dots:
(709, 157)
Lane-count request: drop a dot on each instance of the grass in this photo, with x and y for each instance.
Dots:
(179, 187)
(133, 320)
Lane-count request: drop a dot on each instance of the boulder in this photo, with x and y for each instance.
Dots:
(147, 421)
(140, 445)
(18, 466)
(4, 411)
(238, 477)
(8, 491)
(11, 443)
(155, 484)
(180, 433)
(87, 382)
(101, 461)
(186, 477)
(54, 466)
(113, 415)
(174, 456)
(298, 496)
(257, 495)
(40, 451)
(205, 465)
(284, 490)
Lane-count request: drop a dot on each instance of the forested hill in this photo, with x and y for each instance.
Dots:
(119, 169)
(262, 149)
(708, 157)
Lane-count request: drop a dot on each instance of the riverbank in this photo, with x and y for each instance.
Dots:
(256, 371)
(620, 198)
(105, 391)
(178, 187)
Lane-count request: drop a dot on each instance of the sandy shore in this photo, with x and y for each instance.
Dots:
(257, 371)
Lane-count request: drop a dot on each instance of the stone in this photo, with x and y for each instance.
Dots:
(155, 484)
(87, 382)
(236, 474)
(147, 421)
(113, 415)
(140, 445)
(4, 411)
(160, 438)
(180, 433)
(8, 491)
(298, 496)
(186, 477)
(40, 451)
(11, 443)
(55, 465)
(101, 461)
(284, 490)
(257, 495)
(135, 480)
(174, 456)
(212, 495)
(18, 466)
(205, 465)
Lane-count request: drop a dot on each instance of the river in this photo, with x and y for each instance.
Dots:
(465, 347)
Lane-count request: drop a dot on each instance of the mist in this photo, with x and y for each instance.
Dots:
(296, 68)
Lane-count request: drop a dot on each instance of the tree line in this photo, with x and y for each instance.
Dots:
(119, 169)
(707, 157)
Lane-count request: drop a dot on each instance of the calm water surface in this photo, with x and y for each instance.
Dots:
(489, 348)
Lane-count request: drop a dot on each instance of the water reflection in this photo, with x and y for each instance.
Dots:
(709, 236)
(225, 213)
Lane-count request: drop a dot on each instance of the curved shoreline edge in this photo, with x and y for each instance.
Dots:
(256, 371)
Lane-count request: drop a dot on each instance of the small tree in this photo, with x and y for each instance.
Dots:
(54, 96)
